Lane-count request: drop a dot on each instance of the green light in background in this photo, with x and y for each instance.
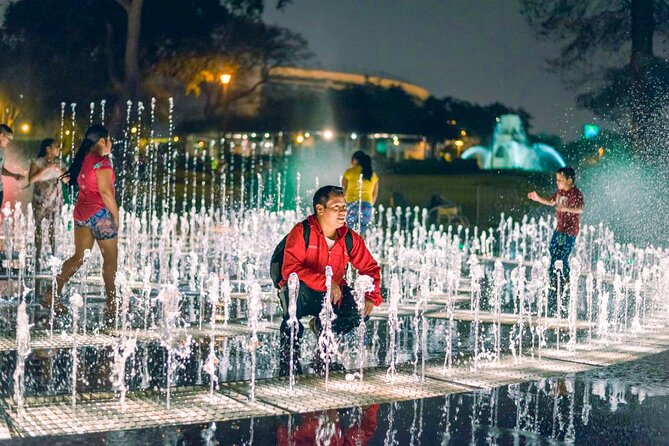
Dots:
(590, 131)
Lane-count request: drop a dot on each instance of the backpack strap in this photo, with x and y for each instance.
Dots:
(348, 238)
(306, 232)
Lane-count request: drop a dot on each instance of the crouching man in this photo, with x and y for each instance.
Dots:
(323, 239)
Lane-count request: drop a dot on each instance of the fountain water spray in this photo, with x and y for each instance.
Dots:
(575, 273)
(211, 362)
(516, 339)
(22, 352)
(476, 274)
(363, 285)
(327, 344)
(558, 271)
(254, 313)
(55, 265)
(76, 303)
(172, 338)
(393, 328)
(496, 305)
(293, 323)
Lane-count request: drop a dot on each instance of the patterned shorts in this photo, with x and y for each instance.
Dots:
(101, 224)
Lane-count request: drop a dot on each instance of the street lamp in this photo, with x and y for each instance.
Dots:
(225, 79)
(458, 144)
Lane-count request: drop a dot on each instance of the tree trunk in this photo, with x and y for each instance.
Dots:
(131, 59)
(642, 31)
(129, 87)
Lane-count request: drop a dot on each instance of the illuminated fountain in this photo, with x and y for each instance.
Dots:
(197, 337)
(510, 149)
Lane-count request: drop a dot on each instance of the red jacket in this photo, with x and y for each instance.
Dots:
(309, 264)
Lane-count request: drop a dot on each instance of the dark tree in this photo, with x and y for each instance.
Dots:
(610, 55)
(84, 49)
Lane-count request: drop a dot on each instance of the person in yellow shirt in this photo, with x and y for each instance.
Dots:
(361, 188)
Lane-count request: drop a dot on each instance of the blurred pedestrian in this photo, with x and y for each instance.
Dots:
(46, 173)
(361, 189)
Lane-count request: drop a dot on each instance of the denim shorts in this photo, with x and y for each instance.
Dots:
(101, 224)
(359, 210)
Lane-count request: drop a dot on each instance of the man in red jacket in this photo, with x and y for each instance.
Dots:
(326, 247)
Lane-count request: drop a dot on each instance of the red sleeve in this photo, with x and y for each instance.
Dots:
(104, 163)
(362, 260)
(293, 259)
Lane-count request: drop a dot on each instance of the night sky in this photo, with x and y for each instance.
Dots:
(478, 50)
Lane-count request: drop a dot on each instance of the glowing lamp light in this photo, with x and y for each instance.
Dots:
(67, 132)
(463, 133)
(25, 127)
(327, 135)
(225, 78)
(396, 142)
(133, 130)
(175, 139)
(200, 144)
(354, 136)
(266, 135)
(307, 135)
(600, 152)
(299, 139)
(253, 135)
(459, 143)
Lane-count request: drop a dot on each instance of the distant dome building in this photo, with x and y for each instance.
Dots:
(291, 78)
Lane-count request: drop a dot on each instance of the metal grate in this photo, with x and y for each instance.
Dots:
(309, 393)
(102, 412)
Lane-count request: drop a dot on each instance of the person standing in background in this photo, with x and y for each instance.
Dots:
(360, 195)
(45, 173)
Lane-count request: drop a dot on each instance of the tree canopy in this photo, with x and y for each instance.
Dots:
(78, 49)
(613, 55)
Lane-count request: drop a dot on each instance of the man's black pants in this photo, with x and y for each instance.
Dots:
(310, 303)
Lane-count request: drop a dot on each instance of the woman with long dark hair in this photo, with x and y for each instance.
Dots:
(361, 189)
(95, 213)
(46, 173)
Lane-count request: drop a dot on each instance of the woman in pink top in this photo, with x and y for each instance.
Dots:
(95, 213)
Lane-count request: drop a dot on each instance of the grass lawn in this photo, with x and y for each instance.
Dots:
(482, 196)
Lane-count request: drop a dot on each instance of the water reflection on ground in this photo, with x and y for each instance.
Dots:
(620, 405)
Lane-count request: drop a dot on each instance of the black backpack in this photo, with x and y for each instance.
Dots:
(276, 264)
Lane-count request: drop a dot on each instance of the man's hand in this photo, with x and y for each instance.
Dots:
(534, 196)
(369, 306)
(335, 293)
